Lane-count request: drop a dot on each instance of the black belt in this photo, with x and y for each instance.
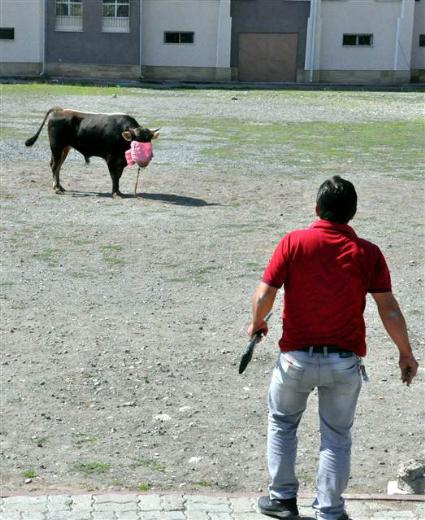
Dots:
(320, 349)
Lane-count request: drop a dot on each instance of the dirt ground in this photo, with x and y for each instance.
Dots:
(123, 320)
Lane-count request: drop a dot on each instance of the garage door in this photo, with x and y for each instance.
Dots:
(267, 57)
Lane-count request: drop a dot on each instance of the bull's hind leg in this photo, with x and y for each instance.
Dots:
(58, 158)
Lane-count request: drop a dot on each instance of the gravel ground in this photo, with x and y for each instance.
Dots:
(123, 320)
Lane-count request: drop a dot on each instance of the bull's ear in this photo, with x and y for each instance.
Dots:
(128, 136)
(155, 133)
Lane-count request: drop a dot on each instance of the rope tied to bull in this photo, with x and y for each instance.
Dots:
(137, 181)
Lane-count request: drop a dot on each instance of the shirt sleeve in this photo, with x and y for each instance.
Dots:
(380, 280)
(277, 269)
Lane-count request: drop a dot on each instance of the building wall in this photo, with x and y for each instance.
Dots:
(93, 52)
(390, 22)
(269, 16)
(24, 54)
(418, 53)
(206, 57)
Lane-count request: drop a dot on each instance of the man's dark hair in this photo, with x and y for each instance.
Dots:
(336, 200)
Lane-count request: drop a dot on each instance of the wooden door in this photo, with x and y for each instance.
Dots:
(268, 57)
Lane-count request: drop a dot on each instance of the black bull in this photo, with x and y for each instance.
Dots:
(101, 135)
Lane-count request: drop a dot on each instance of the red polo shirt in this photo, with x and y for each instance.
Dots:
(326, 271)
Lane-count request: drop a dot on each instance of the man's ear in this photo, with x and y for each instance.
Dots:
(128, 136)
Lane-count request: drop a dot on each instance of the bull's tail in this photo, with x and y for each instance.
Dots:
(33, 139)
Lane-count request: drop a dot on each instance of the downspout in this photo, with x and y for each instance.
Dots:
(140, 37)
(397, 35)
(217, 52)
(312, 39)
(43, 38)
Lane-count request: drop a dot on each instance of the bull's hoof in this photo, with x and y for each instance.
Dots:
(58, 189)
(118, 195)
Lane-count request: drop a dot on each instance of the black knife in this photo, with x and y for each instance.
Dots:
(249, 350)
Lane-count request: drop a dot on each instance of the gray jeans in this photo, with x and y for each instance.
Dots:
(338, 381)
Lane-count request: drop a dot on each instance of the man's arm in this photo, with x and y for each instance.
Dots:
(262, 303)
(395, 325)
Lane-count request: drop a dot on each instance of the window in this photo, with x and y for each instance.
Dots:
(179, 37)
(422, 40)
(7, 33)
(116, 16)
(357, 39)
(69, 15)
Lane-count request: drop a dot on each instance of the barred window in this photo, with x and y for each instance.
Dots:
(179, 37)
(116, 16)
(69, 15)
(7, 33)
(357, 39)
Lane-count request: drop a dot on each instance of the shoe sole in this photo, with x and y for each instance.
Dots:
(286, 515)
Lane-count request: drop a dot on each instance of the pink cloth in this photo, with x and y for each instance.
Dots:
(139, 153)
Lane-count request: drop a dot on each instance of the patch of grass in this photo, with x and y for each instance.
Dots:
(204, 484)
(113, 260)
(40, 442)
(253, 265)
(42, 89)
(112, 247)
(29, 473)
(82, 242)
(178, 280)
(48, 255)
(92, 467)
(392, 145)
(80, 439)
(109, 254)
(144, 486)
(148, 463)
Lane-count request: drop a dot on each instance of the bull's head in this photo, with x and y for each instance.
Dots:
(144, 135)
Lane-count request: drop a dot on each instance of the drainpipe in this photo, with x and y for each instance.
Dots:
(43, 38)
(217, 52)
(140, 37)
(311, 40)
(397, 35)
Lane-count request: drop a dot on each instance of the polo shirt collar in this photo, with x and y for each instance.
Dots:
(344, 229)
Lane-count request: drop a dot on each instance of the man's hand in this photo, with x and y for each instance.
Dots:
(409, 368)
(253, 329)
(395, 325)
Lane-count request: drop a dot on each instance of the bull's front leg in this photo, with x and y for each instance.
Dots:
(115, 169)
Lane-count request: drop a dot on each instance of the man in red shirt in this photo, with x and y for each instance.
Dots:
(326, 271)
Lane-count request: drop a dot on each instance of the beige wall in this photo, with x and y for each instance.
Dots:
(418, 53)
(26, 17)
(208, 19)
(378, 17)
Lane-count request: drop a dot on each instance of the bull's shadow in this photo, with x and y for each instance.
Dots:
(167, 198)
(178, 200)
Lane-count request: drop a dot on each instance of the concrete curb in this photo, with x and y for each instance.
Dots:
(175, 506)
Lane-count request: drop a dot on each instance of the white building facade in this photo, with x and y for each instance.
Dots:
(186, 39)
(21, 37)
(332, 41)
(365, 41)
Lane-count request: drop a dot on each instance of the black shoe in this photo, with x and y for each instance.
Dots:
(344, 516)
(279, 508)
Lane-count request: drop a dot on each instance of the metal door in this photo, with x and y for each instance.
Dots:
(268, 57)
